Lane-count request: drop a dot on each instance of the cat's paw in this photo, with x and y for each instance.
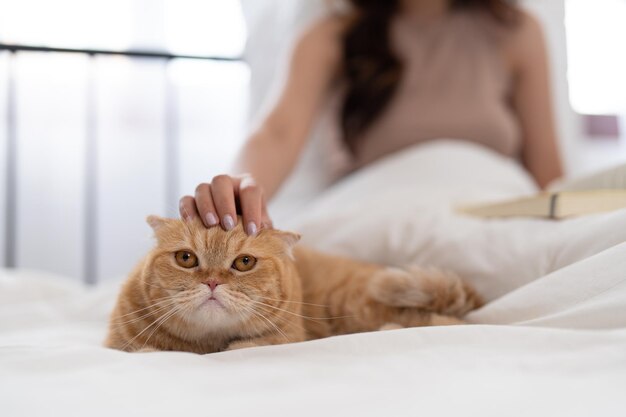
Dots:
(242, 344)
(146, 350)
(439, 320)
(390, 326)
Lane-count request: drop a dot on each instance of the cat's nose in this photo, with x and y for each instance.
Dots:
(212, 283)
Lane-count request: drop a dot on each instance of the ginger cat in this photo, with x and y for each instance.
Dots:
(206, 290)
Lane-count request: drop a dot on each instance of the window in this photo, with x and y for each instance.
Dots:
(100, 142)
(596, 36)
(209, 27)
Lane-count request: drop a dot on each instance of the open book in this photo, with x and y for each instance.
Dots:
(608, 179)
(597, 193)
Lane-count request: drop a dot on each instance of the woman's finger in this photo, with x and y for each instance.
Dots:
(204, 204)
(250, 200)
(224, 200)
(187, 208)
(266, 222)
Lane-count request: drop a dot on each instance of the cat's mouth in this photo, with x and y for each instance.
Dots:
(213, 301)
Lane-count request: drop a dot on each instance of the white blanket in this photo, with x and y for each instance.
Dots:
(551, 341)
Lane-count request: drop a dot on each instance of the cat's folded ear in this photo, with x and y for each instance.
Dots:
(289, 238)
(156, 222)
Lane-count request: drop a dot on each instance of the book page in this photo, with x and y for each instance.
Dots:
(609, 179)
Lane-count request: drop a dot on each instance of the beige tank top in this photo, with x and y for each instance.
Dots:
(455, 86)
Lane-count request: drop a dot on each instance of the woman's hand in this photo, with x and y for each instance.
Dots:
(219, 201)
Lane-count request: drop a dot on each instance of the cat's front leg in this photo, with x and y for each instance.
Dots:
(292, 335)
(146, 349)
(432, 320)
(256, 342)
(390, 326)
(242, 344)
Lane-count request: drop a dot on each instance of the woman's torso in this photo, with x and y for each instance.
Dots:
(455, 85)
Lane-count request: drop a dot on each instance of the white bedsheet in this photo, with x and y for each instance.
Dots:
(551, 341)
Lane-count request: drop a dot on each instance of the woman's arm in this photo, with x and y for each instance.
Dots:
(272, 150)
(283, 133)
(532, 100)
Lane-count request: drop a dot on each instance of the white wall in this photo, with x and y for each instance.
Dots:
(3, 143)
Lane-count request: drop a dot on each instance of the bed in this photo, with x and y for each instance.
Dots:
(550, 341)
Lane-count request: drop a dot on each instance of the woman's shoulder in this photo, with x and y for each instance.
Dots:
(525, 37)
(323, 37)
(527, 26)
(328, 28)
(516, 26)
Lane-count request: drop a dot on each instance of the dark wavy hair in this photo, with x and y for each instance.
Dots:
(371, 70)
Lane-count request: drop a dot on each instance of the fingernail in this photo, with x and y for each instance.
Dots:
(211, 220)
(228, 221)
(251, 229)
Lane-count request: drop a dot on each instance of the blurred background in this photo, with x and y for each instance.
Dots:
(90, 142)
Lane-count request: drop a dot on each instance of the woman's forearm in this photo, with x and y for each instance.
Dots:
(269, 158)
(545, 166)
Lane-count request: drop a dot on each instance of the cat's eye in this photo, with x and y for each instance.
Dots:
(244, 263)
(186, 259)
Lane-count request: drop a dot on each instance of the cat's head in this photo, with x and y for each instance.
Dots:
(217, 281)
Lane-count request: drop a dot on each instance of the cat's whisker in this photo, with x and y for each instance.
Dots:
(248, 316)
(252, 312)
(256, 312)
(193, 295)
(129, 343)
(158, 301)
(302, 316)
(178, 310)
(247, 308)
(160, 323)
(283, 319)
(144, 316)
(295, 302)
